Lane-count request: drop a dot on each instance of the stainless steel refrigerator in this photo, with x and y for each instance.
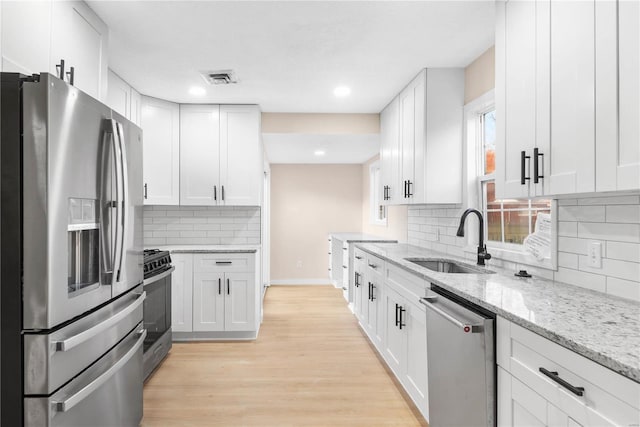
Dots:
(71, 266)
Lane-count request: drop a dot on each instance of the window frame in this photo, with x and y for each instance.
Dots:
(474, 168)
(374, 196)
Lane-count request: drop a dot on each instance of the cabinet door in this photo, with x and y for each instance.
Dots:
(628, 152)
(406, 103)
(241, 168)
(417, 187)
(395, 345)
(80, 37)
(442, 180)
(160, 124)
(569, 161)
(200, 155)
(515, 94)
(240, 302)
(25, 51)
(182, 293)
(518, 405)
(357, 290)
(119, 95)
(362, 305)
(415, 320)
(136, 107)
(208, 302)
(390, 154)
(377, 315)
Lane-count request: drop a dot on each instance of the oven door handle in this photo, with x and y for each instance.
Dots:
(76, 340)
(157, 277)
(73, 400)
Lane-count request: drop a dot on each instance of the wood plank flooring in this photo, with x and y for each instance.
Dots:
(310, 366)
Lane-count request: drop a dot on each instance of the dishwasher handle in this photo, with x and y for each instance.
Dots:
(466, 327)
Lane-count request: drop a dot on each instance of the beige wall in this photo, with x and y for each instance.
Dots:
(479, 76)
(317, 123)
(307, 203)
(396, 227)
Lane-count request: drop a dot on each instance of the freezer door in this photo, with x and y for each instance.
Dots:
(130, 265)
(109, 393)
(52, 359)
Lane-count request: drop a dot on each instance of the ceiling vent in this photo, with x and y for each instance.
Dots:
(220, 77)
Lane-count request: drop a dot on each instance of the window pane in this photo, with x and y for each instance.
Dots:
(492, 203)
(516, 204)
(489, 141)
(494, 226)
(516, 226)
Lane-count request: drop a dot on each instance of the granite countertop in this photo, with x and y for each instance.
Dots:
(360, 237)
(603, 328)
(177, 249)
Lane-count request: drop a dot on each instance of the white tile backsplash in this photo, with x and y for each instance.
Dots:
(205, 225)
(613, 221)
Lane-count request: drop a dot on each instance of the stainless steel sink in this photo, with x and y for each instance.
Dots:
(448, 266)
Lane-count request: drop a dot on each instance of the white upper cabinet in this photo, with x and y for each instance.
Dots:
(37, 35)
(618, 95)
(240, 155)
(119, 95)
(80, 37)
(389, 154)
(160, 123)
(25, 51)
(423, 125)
(135, 109)
(220, 155)
(567, 97)
(200, 155)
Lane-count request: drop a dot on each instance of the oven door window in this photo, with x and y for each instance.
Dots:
(157, 310)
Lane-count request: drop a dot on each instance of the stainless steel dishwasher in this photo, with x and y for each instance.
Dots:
(461, 361)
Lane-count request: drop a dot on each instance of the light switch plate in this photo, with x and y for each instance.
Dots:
(595, 254)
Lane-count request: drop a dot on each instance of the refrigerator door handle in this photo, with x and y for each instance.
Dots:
(125, 193)
(117, 244)
(76, 340)
(68, 403)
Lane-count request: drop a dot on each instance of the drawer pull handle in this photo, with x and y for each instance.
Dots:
(579, 391)
(358, 257)
(372, 265)
(223, 262)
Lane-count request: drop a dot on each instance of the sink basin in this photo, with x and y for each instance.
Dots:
(448, 266)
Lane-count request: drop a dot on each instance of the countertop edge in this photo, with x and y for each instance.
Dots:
(623, 369)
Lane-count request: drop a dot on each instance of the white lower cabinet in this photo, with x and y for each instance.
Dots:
(395, 323)
(541, 383)
(215, 293)
(182, 293)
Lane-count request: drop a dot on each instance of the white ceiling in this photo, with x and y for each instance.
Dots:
(290, 55)
(300, 148)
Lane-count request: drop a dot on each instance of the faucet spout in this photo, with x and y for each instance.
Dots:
(482, 249)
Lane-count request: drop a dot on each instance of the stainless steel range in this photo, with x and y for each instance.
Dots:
(71, 300)
(157, 308)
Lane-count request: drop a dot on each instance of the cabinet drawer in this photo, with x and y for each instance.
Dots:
(374, 265)
(359, 256)
(608, 397)
(408, 283)
(221, 262)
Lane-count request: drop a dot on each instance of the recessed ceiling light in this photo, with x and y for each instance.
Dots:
(318, 153)
(197, 90)
(341, 91)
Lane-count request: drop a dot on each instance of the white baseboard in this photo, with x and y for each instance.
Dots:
(326, 282)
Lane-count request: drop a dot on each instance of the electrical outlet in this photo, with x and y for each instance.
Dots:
(299, 263)
(595, 254)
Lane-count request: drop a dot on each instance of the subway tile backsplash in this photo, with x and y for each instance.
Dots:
(205, 225)
(614, 222)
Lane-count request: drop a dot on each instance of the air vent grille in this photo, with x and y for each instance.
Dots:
(220, 77)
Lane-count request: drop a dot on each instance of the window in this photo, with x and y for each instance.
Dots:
(508, 221)
(378, 214)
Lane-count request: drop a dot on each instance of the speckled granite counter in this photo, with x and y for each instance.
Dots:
(360, 237)
(602, 328)
(195, 249)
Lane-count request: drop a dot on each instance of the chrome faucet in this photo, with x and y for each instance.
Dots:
(482, 248)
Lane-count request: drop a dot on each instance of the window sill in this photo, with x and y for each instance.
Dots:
(515, 256)
(380, 223)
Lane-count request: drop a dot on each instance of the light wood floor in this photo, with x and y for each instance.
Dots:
(311, 366)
